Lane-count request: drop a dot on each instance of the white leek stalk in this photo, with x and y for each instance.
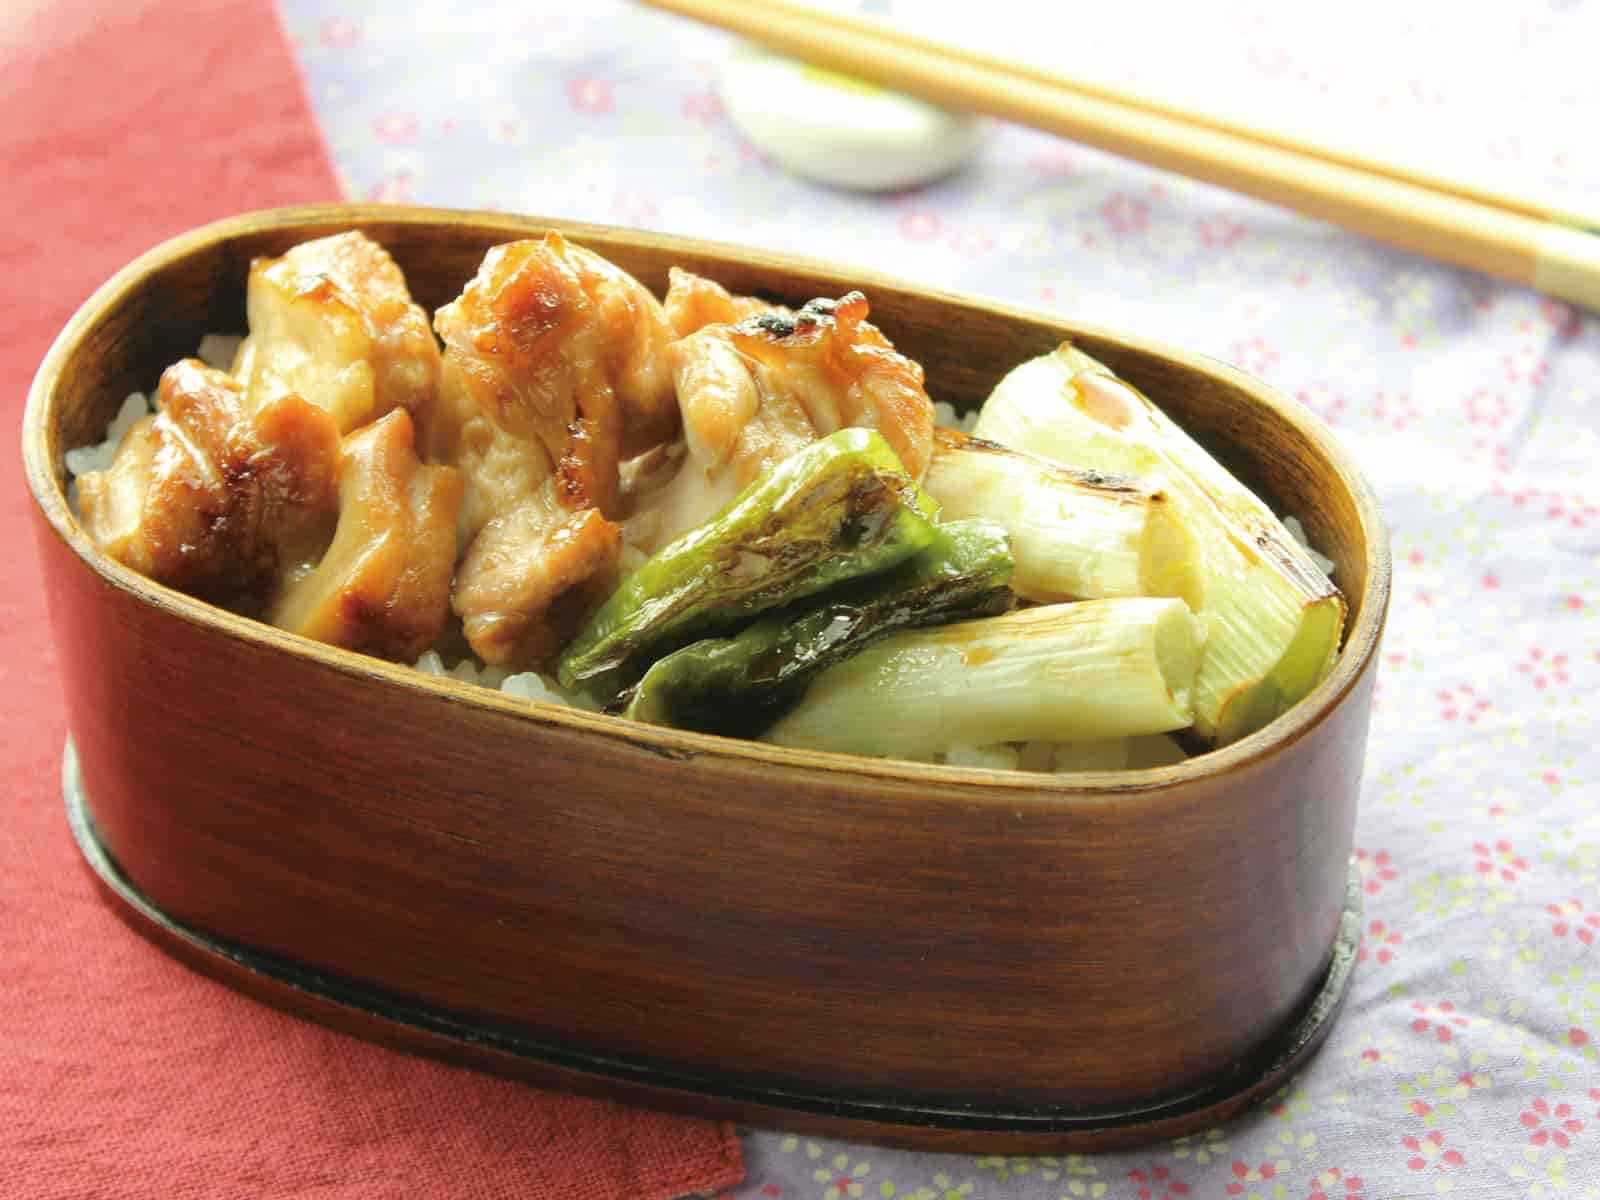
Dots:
(1273, 619)
(1075, 535)
(1060, 672)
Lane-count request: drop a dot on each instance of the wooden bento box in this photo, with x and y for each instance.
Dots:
(934, 956)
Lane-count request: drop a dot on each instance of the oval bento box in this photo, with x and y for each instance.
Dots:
(933, 956)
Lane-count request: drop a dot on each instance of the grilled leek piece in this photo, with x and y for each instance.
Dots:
(1273, 619)
(739, 685)
(1060, 672)
(1076, 535)
(841, 508)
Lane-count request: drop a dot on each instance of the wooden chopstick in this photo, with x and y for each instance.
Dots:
(860, 25)
(1518, 240)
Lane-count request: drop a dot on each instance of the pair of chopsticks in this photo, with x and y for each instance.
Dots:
(1522, 240)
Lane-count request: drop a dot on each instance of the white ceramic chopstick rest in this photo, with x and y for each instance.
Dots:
(837, 130)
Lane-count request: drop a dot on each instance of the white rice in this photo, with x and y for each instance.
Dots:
(215, 350)
(1066, 758)
(99, 456)
(945, 416)
(524, 685)
(1298, 532)
(219, 350)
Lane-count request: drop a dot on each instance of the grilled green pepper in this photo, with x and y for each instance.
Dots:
(840, 509)
(739, 685)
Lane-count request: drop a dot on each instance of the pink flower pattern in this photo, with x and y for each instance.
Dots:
(703, 105)
(919, 225)
(1441, 1020)
(1551, 1123)
(1158, 1183)
(1430, 1153)
(1569, 917)
(591, 94)
(1375, 870)
(1334, 1184)
(1501, 860)
(1379, 943)
(1245, 1174)
(1125, 214)
(396, 127)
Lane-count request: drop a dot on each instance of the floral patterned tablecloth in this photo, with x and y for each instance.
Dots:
(1466, 1058)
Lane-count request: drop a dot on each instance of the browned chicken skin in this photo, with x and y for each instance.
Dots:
(532, 576)
(383, 585)
(693, 302)
(333, 321)
(202, 494)
(554, 371)
(548, 336)
(755, 392)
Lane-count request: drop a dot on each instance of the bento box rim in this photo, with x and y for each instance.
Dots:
(973, 784)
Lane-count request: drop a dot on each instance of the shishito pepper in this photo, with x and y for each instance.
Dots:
(739, 685)
(840, 509)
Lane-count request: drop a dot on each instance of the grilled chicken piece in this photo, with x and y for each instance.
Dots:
(383, 586)
(532, 576)
(554, 371)
(202, 494)
(547, 336)
(755, 392)
(693, 302)
(332, 321)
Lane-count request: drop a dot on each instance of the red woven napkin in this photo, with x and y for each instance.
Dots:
(121, 1073)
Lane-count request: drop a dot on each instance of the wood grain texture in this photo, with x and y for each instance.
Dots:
(398, 1022)
(768, 918)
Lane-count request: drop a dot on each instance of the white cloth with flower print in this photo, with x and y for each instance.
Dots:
(1466, 1058)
